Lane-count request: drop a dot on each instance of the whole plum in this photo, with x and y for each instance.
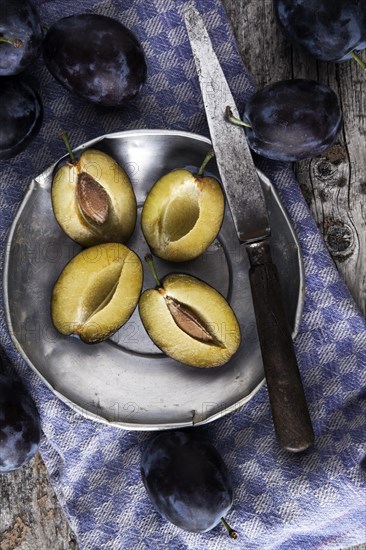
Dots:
(20, 429)
(95, 57)
(292, 119)
(20, 36)
(21, 115)
(187, 481)
(327, 29)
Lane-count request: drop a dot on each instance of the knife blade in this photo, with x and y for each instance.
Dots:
(248, 208)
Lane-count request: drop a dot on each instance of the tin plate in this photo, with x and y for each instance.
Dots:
(126, 381)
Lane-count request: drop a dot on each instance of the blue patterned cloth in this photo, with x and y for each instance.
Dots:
(315, 500)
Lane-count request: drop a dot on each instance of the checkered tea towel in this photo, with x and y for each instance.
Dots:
(281, 501)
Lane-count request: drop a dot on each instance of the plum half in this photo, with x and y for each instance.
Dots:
(182, 215)
(97, 292)
(93, 199)
(187, 481)
(95, 57)
(190, 321)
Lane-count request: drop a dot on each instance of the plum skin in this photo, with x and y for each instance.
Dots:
(19, 19)
(327, 29)
(21, 115)
(95, 57)
(292, 119)
(20, 429)
(187, 480)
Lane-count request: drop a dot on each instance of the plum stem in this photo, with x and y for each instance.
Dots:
(66, 141)
(16, 42)
(206, 160)
(232, 533)
(150, 263)
(358, 60)
(231, 118)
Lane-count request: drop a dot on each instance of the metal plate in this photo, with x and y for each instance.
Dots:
(127, 381)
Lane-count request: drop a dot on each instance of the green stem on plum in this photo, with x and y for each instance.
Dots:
(358, 60)
(150, 263)
(206, 160)
(16, 42)
(232, 533)
(231, 118)
(66, 141)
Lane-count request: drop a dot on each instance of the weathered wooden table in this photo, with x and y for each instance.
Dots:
(334, 186)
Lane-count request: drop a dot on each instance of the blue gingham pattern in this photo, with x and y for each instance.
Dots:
(315, 500)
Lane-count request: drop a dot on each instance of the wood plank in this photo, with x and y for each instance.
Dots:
(30, 516)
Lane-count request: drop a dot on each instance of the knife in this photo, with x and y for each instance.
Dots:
(246, 201)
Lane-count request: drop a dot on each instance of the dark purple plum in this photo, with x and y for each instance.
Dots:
(327, 29)
(187, 480)
(95, 57)
(20, 429)
(20, 36)
(21, 115)
(292, 119)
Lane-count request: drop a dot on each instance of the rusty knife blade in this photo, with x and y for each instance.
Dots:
(238, 174)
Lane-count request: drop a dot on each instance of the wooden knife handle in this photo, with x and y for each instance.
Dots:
(290, 413)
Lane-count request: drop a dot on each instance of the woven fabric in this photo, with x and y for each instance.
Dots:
(281, 501)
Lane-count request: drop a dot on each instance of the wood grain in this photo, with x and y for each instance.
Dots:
(30, 516)
(335, 188)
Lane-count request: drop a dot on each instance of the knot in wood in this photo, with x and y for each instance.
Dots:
(325, 169)
(339, 238)
(331, 164)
